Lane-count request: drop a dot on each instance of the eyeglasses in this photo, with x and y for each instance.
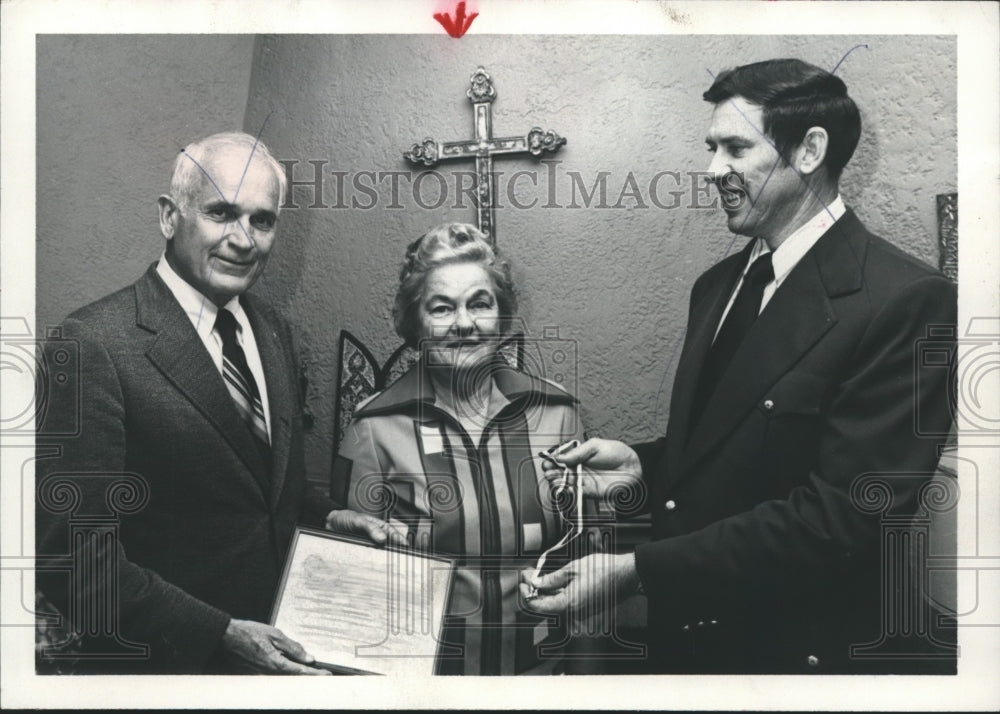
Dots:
(568, 484)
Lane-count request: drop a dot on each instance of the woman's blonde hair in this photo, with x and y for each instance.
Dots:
(442, 245)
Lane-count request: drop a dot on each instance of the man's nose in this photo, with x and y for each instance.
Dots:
(241, 234)
(717, 167)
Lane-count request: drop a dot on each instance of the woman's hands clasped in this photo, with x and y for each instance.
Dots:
(365, 526)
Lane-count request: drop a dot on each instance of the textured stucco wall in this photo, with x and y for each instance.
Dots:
(614, 280)
(112, 112)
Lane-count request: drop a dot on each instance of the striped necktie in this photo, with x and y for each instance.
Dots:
(239, 379)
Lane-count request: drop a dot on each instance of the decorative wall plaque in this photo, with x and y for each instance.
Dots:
(947, 213)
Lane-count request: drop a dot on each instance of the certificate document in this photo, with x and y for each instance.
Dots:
(362, 608)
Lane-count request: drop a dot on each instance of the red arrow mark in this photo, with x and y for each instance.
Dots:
(460, 25)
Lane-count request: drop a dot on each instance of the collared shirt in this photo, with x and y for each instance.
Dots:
(788, 254)
(202, 313)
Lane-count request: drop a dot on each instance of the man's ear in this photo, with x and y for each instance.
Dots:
(812, 151)
(170, 213)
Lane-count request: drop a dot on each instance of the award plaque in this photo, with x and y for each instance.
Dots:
(360, 608)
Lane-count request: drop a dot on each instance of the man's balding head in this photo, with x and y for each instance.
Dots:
(188, 169)
(220, 217)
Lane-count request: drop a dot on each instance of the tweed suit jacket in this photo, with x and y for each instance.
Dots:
(210, 540)
(764, 556)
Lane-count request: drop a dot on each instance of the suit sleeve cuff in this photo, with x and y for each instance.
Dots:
(196, 638)
(316, 508)
(648, 453)
(639, 587)
(656, 576)
(644, 569)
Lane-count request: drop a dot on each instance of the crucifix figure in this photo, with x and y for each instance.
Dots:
(483, 148)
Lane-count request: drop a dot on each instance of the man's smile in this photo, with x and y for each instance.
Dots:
(731, 191)
(245, 263)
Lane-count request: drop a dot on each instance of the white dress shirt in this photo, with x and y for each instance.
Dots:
(202, 313)
(788, 254)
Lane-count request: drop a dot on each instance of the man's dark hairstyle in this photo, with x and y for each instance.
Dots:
(795, 96)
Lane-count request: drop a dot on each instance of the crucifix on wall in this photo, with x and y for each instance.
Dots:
(483, 147)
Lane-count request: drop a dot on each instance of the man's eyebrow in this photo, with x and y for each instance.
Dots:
(480, 293)
(732, 139)
(218, 203)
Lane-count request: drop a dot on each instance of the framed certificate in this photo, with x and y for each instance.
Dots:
(360, 608)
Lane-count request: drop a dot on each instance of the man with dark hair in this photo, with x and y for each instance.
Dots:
(795, 96)
(795, 400)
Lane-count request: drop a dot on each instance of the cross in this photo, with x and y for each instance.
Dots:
(483, 148)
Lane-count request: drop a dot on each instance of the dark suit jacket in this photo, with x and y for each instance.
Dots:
(210, 541)
(761, 561)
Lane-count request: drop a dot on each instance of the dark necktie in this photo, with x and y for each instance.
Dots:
(740, 317)
(239, 379)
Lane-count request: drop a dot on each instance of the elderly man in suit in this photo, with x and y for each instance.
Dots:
(797, 381)
(191, 385)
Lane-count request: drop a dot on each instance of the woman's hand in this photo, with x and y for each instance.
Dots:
(361, 524)
(608, 466)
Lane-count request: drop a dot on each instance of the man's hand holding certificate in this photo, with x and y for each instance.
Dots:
(362, 608)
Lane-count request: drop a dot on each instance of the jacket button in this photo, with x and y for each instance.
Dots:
(714, 622)
(670, 505)
(686, 628)
(768, 405)
(701, 623)
(812, 660)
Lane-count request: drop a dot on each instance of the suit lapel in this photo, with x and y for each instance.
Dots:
(181, 356)
(280, 381)
(705, 318)
(798, 315)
